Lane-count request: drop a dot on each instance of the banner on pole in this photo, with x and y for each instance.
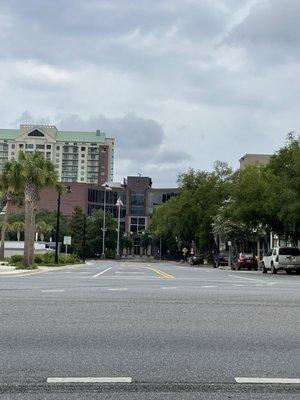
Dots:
(119, 202)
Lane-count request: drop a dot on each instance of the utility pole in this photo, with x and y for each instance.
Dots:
(106, 187)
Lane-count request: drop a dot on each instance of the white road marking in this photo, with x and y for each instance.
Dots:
(169, 287)
(239, 285)
(52, 290)
(294, 381)
(102, 272)
(248, 279)
(208, 286)
(129, 272)
(87, 379)
(118, 289)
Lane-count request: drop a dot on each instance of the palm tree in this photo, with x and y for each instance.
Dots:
(18, 227)
(10, 194)
(43, 228)
(30, 173)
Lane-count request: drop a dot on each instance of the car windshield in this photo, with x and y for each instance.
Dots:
(289, 251)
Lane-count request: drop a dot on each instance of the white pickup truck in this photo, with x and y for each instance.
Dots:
(281, 258)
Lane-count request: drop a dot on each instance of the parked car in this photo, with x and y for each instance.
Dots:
(246, 260)
(221, 259)
(281, 258)
(196, 260)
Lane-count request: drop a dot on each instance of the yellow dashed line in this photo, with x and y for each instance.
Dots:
(161, 273)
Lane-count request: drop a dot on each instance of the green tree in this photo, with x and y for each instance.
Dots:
(18, 227)
(187, 218)
(283, 203)
(146, 240)
(94, 234)
(29, 174)
(127, 243)
(10, 194)
(76, 230)
(42, 228)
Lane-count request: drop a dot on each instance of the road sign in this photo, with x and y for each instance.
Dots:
(119, 202)
(184, 250)
(67, 240)
(229, 243)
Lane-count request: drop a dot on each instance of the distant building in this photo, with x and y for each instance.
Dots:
(136, 192)
(80, 156)
(253, 159)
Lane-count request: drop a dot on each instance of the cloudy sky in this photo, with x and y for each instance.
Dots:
(178, 83)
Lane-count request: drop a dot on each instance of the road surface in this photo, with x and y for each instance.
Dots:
(156, 330)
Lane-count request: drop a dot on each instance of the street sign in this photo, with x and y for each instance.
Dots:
(184, 250)
(67, 240)
(229, 243)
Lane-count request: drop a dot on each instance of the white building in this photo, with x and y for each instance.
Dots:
(80, 156)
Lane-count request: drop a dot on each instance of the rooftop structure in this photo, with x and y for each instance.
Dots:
(254, 159)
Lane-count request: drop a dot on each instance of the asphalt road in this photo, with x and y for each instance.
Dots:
(171, 330)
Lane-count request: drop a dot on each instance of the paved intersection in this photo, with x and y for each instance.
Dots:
(172, 329)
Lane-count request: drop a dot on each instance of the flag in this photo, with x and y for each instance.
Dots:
(119, 202)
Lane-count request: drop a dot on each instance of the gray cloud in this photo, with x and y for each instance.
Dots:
(271, 30)
(139, 141)
(220, 76)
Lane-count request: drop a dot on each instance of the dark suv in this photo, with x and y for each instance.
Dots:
(221, 258)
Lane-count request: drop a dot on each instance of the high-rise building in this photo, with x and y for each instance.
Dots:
(86, 157)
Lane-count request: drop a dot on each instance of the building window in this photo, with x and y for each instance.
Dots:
(49, 146)
(137, 225)
(29, 146)
(82, 155)
(12, 146)
(21, 146)
(36, 133)
(57, 147)
(39, 146)
(82, 148)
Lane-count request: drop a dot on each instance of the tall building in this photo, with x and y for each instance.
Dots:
(86, 157)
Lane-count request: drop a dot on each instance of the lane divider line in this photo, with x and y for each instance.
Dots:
(169, 287)
(102, 272)
(118, 289)
(161, 273)
(90, 380)
(293, 381)
(52, 290)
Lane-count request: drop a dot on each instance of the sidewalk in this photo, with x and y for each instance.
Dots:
(12, 271)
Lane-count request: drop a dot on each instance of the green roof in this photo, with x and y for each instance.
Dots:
(9, 133)
(75, 136)
(61, 136)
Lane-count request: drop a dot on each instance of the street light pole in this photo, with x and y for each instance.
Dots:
(106, 187)
(67, 190)
(118, 204)
(84, 237)
(57, 228)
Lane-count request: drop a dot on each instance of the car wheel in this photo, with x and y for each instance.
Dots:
(264, 269)
(273, 269)
(255, 268)
(288, 271)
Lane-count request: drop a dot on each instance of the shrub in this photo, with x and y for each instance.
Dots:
(110, 254)
(39, 259)
(48, 258)
(21, 266)
(69, 259)
(16, 259)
